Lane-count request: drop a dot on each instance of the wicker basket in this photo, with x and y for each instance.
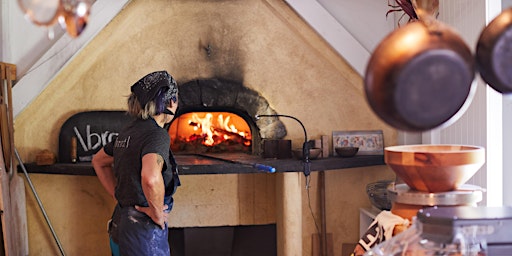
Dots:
(378, 194)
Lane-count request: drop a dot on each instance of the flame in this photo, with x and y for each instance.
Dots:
(205, 124)
(213, 131)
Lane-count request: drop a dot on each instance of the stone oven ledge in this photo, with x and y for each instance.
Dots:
(224, 164)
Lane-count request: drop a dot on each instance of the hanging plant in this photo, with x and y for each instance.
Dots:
(404, 6)
(427, 10)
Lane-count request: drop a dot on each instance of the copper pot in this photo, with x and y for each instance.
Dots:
(494, 53)
(420, 76)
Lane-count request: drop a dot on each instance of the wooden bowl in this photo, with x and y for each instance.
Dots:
(434, 168)
(346, 151)
(314, 153)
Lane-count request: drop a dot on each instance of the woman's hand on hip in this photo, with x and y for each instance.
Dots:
(159, 217)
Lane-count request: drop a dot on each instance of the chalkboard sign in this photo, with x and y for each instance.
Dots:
(83, 134)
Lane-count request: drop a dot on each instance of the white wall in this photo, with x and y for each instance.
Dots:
(22, 41)
(37, 56)
(364, 19)
(352, 28)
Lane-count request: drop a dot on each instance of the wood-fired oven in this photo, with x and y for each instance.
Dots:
(217, 115)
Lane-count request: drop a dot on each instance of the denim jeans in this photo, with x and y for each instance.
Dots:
(136, 234)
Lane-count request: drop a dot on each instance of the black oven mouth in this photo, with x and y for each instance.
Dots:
(222, 95)
(213, 130)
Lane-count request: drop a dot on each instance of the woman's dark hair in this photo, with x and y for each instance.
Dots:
(162, 100)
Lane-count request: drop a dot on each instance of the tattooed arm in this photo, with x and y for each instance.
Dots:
(153, 188)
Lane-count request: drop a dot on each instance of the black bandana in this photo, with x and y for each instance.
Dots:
(147, 87)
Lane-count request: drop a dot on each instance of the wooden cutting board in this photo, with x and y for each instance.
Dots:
(12, 198)
(19, 214)
(5, 207)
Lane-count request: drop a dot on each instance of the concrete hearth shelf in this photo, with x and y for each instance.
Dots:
(225, 164)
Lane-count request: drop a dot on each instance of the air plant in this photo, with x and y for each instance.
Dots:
(402, 6)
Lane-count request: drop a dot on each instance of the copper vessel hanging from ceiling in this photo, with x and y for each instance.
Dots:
(72, 15)
(494, 53)
(421, 75)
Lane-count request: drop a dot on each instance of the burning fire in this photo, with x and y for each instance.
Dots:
(217, 129)
(221, 131)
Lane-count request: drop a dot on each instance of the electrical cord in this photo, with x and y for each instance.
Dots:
(305, 146)
(309, 204)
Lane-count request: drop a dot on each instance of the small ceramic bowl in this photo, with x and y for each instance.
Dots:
(346, 151)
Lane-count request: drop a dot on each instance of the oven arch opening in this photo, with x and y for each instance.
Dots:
(223, 95)
(213, 132)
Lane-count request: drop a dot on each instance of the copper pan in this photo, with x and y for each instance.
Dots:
(494, 53)
(420, 76)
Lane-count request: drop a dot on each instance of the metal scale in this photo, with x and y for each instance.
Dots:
(465, 195)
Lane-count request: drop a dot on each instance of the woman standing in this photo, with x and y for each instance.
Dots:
(139, 171)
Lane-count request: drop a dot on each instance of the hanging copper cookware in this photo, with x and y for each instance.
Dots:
(494, 53)
(420, 76)
(41, 13)
(72, 15)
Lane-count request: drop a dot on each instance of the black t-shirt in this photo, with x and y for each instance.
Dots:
(134, 141)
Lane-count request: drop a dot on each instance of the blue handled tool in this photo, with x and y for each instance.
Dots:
(265, 168)
(259, 167)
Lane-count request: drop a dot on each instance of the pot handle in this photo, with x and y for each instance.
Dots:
(426, 9)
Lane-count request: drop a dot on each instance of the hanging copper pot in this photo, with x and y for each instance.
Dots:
(74, 16)
(420, 76)
(494, 53)
(41, 13)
